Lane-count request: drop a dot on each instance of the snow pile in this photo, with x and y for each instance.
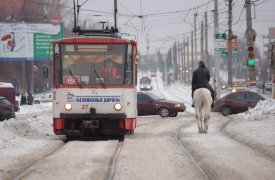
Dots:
(256, 126)
(263, 109)
(35, 108)
(31, 130)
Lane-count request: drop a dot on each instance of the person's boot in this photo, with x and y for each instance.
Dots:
(213, 104)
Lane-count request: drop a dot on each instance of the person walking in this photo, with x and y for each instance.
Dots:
(23, 99)
(30, 99)
(201, 78)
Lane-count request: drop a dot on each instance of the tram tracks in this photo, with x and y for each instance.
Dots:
(47, 159)
(188, 152)
(112, 166)
(181, 143)
(21, 172)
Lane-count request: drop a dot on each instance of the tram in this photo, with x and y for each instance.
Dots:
(94, 85)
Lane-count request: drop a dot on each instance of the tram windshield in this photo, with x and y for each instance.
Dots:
(93, 64)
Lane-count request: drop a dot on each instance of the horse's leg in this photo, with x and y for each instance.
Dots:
(198, 120)
(206, 123)
(202, 123)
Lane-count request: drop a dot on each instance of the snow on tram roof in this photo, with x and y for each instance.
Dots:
(6, 85)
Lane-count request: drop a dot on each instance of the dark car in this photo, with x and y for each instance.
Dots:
(237, 102)
(151, 104)
(6, 109)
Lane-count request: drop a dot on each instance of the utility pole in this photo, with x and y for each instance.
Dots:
(173, 62)
(202, 39)
(206, 39)
(176, 60)
(188, 64)
(192, 53)
(217, 62)
(195, 33)
(184, 60)
(230, 43)
(249, 37)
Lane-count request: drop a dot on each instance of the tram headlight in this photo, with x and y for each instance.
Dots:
(117, 106)
(68, 106)
(177, 105)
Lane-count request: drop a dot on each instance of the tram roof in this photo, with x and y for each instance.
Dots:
(94, 39)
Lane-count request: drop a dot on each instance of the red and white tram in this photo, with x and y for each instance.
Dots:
(86, 100)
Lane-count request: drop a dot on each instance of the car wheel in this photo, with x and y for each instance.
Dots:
(174, 114)
(36, 102)
(226, 110)
(164, 112)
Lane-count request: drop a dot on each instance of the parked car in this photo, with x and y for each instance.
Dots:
(151, 104)
(42, 98)
(6, 109)
(7, 90)
(268, 86)
(236, 102)
(252, 86)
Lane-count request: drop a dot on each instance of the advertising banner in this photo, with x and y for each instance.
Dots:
(25, 41)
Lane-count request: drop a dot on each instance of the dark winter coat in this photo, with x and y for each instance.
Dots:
(30, 99)
(200, 79)
(23, 100)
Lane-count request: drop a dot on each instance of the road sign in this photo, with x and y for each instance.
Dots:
(225, 53)
(220, 42)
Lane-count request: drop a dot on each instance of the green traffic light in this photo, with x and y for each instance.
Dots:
(251, 62)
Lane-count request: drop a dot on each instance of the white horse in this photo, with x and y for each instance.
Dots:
(202, 101)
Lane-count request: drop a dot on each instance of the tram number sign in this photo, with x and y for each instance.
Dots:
(71, 80)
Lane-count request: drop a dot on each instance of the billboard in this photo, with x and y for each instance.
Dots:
(28, 41)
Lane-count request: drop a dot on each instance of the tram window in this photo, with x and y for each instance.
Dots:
(129, 71)
(57, 65)
(88, 66)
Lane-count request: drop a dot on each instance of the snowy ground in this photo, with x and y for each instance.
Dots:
(31, 131)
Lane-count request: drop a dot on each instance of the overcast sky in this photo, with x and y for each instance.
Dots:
(156, 24)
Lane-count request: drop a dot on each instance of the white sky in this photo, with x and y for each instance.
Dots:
(160, 27)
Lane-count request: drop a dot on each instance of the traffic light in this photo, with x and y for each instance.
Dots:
(45, 72)
(250, 56)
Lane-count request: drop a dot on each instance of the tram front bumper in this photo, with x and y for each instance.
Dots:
(93, 116)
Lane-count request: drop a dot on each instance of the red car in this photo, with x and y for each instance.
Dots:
(151, 104)
(237, 102)
(6, 109)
